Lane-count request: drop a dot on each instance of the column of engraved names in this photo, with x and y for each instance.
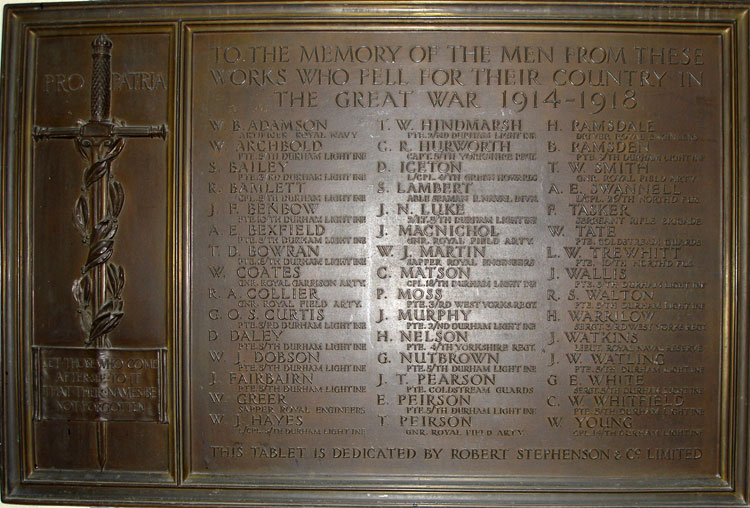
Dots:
(286, 275)
(466, 296)
(629, 216)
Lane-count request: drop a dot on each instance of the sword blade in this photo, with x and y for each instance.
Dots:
(99, 204)
(101, 444)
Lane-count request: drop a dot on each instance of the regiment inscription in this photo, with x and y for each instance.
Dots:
(411, 248)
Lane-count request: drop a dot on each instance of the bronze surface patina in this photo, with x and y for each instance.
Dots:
(400, 254)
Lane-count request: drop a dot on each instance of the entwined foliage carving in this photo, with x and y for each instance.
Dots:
(100, 237)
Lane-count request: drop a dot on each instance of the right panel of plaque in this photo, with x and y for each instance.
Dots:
(472, 254)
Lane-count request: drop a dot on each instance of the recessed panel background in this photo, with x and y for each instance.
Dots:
(470, 254)
(140, 95)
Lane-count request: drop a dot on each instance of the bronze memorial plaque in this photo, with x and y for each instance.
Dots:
(375, 254)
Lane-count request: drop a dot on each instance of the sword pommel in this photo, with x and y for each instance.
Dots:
(101, 74)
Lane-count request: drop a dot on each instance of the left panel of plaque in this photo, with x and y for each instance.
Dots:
(100, 245)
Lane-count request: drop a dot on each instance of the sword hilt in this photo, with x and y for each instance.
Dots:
(101, 74)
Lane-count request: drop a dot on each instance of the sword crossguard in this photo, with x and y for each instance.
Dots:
(100, 130)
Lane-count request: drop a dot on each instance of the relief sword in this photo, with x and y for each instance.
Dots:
(98, 292)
